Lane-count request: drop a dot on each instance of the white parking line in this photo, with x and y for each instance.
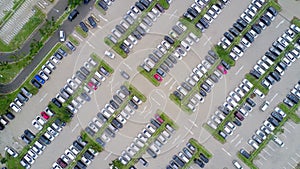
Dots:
(271, 147)
(284, 135)
(262, 157)
(170, 88)
(273, 97)
(90, 44)
(155, 101)
(279, 23)
(236, 73)
(92, 34)
(239, 142)
(75, 127)
(43, 97)
(188, 130)
(127, 66)
(168, 82)
(173, 14)
(294, 160)
(107, 156)
(226, 152)
(193, 123)
(267, 152)
(99, 26)
(103, 18)
(207, 41)
(235, 138)
(260, 163)
(289, 123)
(297, 154)
(290, 165)
(77, 37)
(180, 143)
(284, 167)
(175, 139)
(286, 129)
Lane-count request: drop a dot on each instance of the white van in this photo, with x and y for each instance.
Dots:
(278, 141)
(102, 78)
(149, 63)
(181, 90)
(14, 107)
(137, 100)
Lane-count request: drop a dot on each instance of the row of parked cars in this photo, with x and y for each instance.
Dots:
(266, 129)
(41, 143)
(211, 14)
(183, 157)
(272, 54)
(72, 153)
(238, 50)
(293, 97)
(142, 140)
(197, 73)
(90, 22)
(47, 69)
(20, 100)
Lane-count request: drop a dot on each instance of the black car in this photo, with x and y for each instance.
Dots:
(92, 22)
(245, 153)
(270, 79)
(255, 74)
(282, 65)
(265, 20)
(204, 23)
(273, 121)
(277, 116)
(80, 164)
(104, 71)
(238, 27)
(178, 95)
(58, 56)
(24, 138)
(250, 102)
(113, 104)
(178, 161)
(140, 6)
(234, 32)
(84, 71)
(83, 26)
(199, 162)
(242, 22)
(36, 84)
(124, 48)
(155, 123)
(160, 8)
(272, 10)
(9, 115)
(192, 12)
(257, 139)
(62, 52)
(116, 123)
(44, 140)
(70, 46)
(225, 64)
(2, 127)
(132, 104)
(100, 141)
(186, 86)
(168, 39)
(56, 103)
(120, 29)
(276, 76)
(29, 134)
(160, 72)
(202, 93)
(256, 28)
(237, 122)
(89, 155)
(249, 37)
(205, 87)
(77, 145)
(274, 51)
(89, 131)
(229, 36)
(293, 98)
(137, 35)
(204, 158)
(146, 3)
(110, 132)
(270, 55)
(73, 15)
(103, 5)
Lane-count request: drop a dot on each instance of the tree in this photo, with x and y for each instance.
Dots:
(74, 3)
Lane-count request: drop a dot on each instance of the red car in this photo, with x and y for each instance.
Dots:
(222, 69)
(157, 77)
(45, 115)
(92, 85)
(158, 118)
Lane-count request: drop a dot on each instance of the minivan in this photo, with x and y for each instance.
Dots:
(62, 36)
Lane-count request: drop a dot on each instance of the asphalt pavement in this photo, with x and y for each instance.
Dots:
(67, 26)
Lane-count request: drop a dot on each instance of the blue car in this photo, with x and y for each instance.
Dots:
(39, 79)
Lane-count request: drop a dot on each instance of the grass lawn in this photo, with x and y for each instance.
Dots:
(24, 33)
(74, 40)
(5, 100)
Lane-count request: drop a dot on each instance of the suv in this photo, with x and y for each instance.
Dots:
(73, 15)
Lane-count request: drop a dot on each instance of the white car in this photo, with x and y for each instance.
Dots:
(253, 144)
(97, 122)
(69, 154)
(185, 45)
(52, 132)
(11, 151)
(132, 39)
(49, 136)
(56, 127)
(234, 96)
(121, 119)
(73, 150)
(227, 130)
(231, 101)
(268, 124)
(211, 124)
(278, 110)
(150, 128)
(183, 27)
(109, 54)
(162, 49)
(246, 82)
(201, 68)
(40, 120)
(259, 93)
(239, 92)
(125, 115)
(146, 133)
(225, 104)
(165, 44)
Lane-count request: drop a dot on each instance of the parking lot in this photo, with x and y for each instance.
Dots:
(190, 124)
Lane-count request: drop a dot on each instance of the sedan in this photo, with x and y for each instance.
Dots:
(36, 125)
(222, 69)
(45, 115)
(157, 77)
